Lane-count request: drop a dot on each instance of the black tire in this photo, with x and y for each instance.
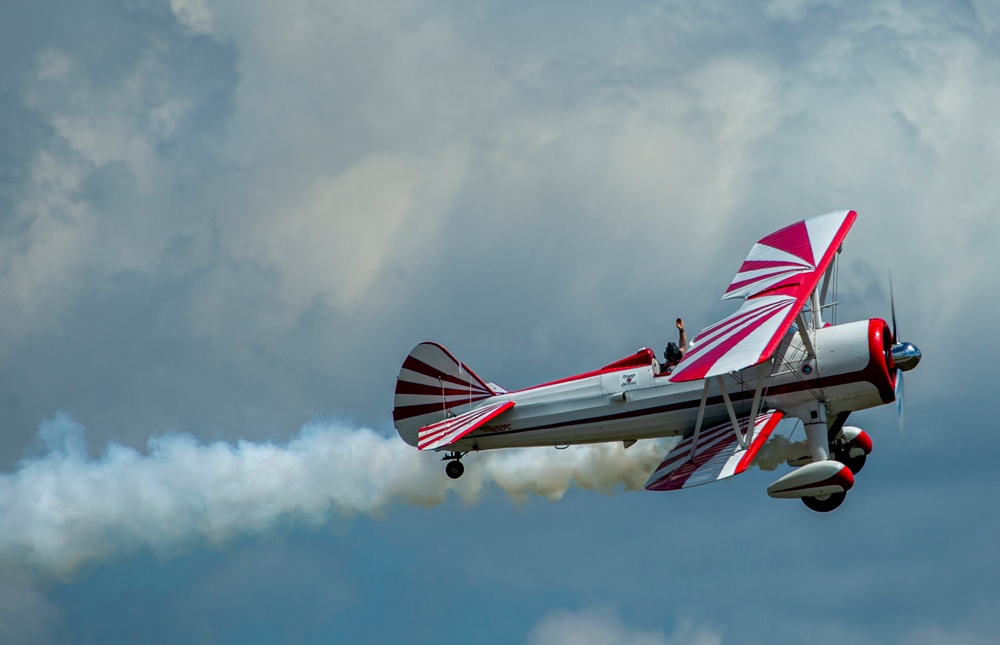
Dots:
(855, 464)
(825, 503)
(454, 469)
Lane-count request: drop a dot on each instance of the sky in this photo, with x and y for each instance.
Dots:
(224, 225)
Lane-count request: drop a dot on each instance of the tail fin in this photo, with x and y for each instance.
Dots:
(432, 385)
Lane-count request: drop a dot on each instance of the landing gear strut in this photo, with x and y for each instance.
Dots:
(454, 467)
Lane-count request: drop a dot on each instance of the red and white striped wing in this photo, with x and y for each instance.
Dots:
(718, 455)
(776, 279)
(780, 259)
(745, 338)
(443, 433)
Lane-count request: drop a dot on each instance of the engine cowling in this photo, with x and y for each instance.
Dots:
(852, 366)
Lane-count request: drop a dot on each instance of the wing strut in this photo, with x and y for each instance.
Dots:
(800, 322)
(740, 437)
(755, 408)
(827, 278)
(743, 439)
(817, 310)
(701, 417)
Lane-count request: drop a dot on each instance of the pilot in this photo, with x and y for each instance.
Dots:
(674, 351)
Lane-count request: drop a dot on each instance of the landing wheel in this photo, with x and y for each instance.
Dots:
(855, 464)
(454, 469)
(824, 503)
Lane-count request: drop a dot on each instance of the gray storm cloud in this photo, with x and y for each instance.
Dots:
(64, 509)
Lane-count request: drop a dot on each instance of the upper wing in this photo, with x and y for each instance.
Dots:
(717, 456)
(443, 433)
(776, 279)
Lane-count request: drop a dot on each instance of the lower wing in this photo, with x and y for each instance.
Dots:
(716, 456)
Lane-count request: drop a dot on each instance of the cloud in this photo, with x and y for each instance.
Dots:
(981, 630)
(193, 14)
(605, 627)
(209, 209)
(26, 614)
(310, 185)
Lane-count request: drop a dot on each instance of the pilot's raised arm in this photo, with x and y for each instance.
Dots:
(674, 351)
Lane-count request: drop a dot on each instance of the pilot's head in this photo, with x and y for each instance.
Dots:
(672, 353)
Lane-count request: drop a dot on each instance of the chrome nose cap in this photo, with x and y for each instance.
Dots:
(905, 356)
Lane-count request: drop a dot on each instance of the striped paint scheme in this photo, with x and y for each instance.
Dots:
(718, 455)
(776, 279)
(443, 433)
(778, 260)
(431, 380)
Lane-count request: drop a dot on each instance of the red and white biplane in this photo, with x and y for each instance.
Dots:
(773, 358)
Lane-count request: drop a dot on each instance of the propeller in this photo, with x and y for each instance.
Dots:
(898, 389)
(905, 356)
(892, 308)
(899, 405)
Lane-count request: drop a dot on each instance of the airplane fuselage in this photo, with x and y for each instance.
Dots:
(850, 371)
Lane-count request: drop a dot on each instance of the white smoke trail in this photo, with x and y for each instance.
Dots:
(64, 509)
(778, 450)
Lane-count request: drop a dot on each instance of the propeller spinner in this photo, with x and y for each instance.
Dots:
(905, 355)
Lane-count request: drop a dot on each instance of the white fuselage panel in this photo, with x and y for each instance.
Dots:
(635, 403)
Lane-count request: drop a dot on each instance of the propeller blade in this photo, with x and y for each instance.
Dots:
(899, 405)
(892, 307)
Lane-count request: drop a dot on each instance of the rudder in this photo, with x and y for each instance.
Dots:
(431, 385)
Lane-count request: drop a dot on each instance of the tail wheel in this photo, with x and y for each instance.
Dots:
(824, 503)
(454, 469)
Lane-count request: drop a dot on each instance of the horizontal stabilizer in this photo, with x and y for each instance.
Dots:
(717, 455)
(444, 433)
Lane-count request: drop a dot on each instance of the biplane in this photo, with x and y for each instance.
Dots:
(774, 358)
